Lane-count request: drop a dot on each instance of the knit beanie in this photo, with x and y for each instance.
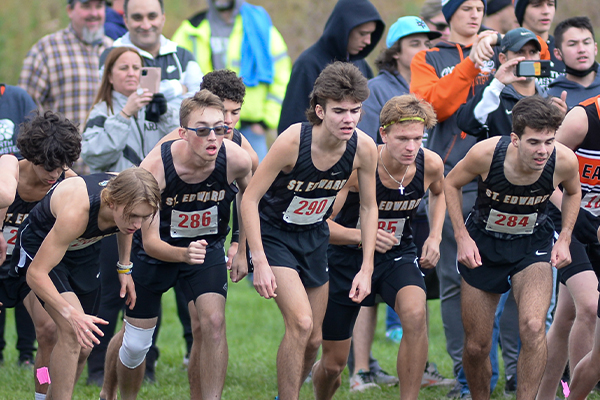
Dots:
(449, 7)
(497, 5)
(520, 6)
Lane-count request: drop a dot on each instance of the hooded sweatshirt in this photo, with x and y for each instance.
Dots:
(331, 46)
(575, 92)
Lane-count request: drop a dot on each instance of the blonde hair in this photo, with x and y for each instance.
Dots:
(407, 109)
(131, 188)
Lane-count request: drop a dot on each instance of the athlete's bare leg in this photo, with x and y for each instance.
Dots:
(318, 302)
(478, 309)
(532, 288)
(587, 373)
(209, 354)
(302, 337)
(65, 357)
(46, 336)
(193, 369)
(116, 375)
(362, 337)
(327, 372)
(572, 331)
(412, 354)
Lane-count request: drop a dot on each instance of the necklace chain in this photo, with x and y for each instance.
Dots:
(400, 186)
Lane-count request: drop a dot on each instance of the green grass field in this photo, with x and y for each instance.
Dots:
(254, 329)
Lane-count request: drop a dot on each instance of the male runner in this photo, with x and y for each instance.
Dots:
(49, 144)
(8, 179)
(196, 177)
(58, 248)
(576, 315)
(404, 174)
(286, 208)
(507, 239)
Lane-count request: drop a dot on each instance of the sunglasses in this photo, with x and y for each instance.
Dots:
(439, 26)
(204, 131)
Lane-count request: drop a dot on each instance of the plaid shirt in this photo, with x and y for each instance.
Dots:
(60, 72)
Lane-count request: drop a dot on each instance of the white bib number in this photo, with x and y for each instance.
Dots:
(194, 223)
(515, 224)
(302, 211)
(395, 226)
(591, 203)
(10, 236)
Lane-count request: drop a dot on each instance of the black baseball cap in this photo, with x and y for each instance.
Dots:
(515, 39)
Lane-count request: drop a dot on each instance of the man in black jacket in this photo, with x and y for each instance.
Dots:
(351, 33)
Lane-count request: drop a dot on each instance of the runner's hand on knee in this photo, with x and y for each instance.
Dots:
(196, 252)
(385, 241)
(85, 326)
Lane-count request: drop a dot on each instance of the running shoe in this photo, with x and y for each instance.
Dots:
(362, 381)
(432, 377)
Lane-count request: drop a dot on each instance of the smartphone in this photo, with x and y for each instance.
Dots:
(150, 79)
(539, 68)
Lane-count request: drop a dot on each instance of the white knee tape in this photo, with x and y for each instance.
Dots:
(136, 342)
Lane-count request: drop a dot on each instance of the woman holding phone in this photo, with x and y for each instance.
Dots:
(119, 132)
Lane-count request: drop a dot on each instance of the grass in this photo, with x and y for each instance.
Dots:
(254, 330)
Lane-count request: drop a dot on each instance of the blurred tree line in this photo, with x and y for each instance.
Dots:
(301, 22)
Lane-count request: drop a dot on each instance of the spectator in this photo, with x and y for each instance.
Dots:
(15, 106)
(500, 16)
(406, 37)
(537, 16)
(351, 33)
(145, 19)
(60, 71)
(577, 48)
(250, 46)
(114, 26)
(446, 76)
(431, 13)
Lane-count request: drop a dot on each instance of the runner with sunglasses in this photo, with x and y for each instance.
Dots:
(196, 176)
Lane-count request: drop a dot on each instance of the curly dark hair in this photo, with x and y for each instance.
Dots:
(225, 84)
(49, 140)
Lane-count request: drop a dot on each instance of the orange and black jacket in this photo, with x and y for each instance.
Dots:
(446, 77)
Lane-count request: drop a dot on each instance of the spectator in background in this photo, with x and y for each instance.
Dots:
(537, 16)
(431, 13)
(351, 33)
(181, 75)
(500, 16)
(447, 76)
(114, 26)
(118, 135)
(60, 71)
(15, 106)
(406, 37)
(576, 47)
(239, 36)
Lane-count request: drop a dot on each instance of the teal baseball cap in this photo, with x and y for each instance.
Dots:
(406, 26)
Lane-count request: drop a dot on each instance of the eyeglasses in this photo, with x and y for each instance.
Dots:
(439, 26)
(204, 131)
